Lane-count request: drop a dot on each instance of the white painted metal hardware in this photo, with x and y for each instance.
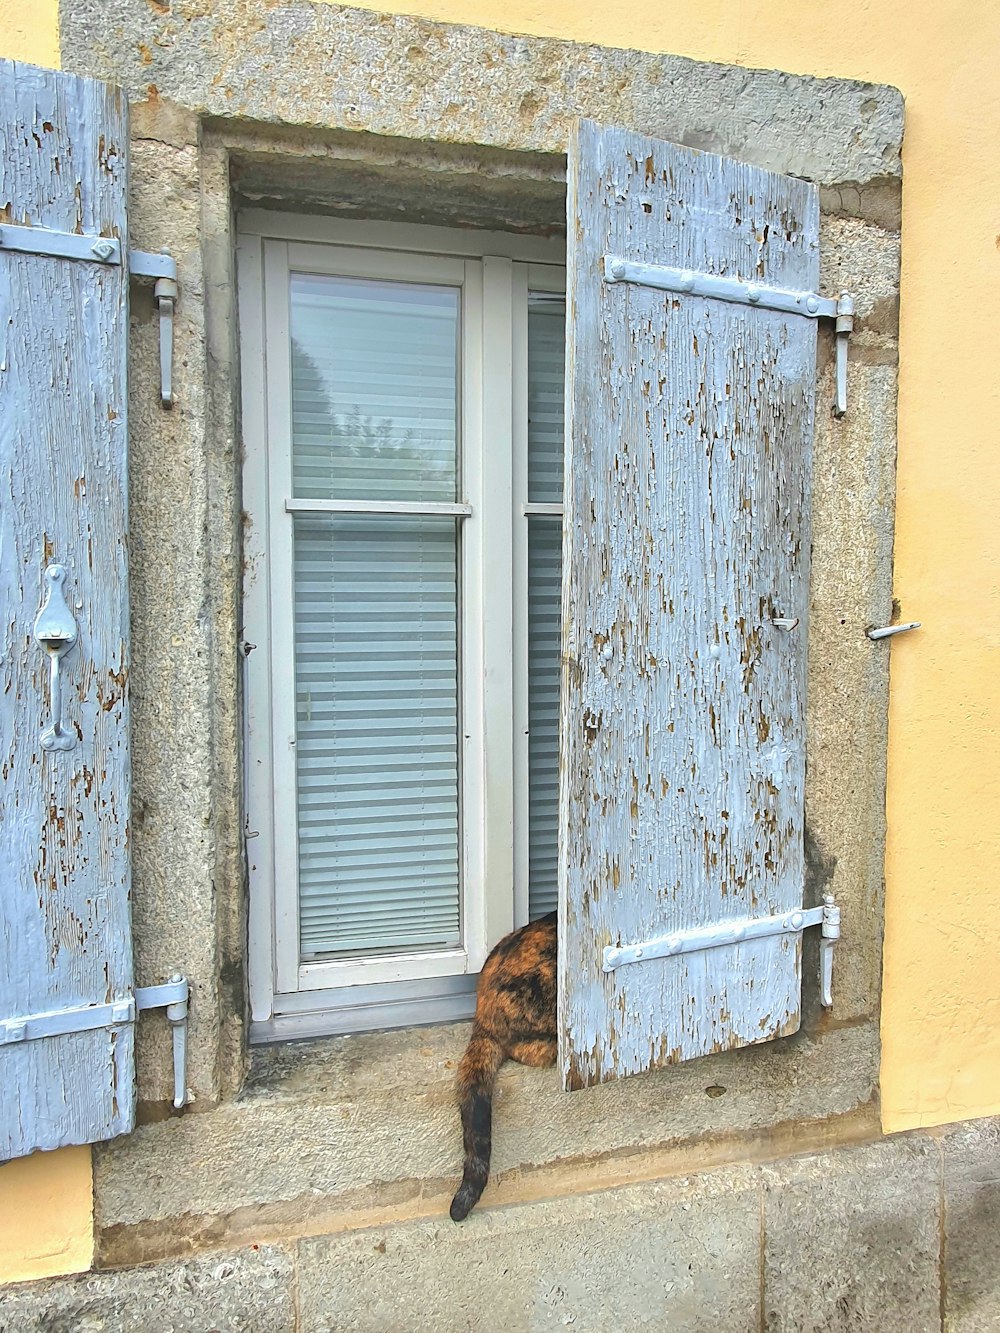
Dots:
(107, 250)
(163, 269)
(783, 622)
(172, 995)
(165, 296)
(60, 244)
(887, 631)
(147, 264)
(56, 631)
(736, 932)
(829, 935)
(718, 288)
(59, 1022)
(844, 328)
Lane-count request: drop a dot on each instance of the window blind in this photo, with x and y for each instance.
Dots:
(546, 360)
(374, 417)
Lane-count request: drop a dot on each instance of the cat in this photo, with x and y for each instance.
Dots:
(515, 1019)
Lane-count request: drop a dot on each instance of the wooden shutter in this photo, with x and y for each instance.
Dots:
(65, 945)
(689, 430)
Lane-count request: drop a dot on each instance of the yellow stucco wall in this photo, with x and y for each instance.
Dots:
(46, 1201)
(46, 1215)
(941, 1003)
(29, 30)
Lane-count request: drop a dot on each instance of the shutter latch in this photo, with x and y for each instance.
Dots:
(56, 630)
(172, 995)
(163, 269)
(716, 287)
(737, 932)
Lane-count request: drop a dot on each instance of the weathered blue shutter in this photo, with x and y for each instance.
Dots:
(690, 421)
(65, 945)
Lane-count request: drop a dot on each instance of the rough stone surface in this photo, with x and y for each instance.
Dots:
(365, 1121)
(834, 1242)
(972, 1228)
(338, 67)
(679, 1255)
(246, 1292)
(174, 830)
(851, 1240)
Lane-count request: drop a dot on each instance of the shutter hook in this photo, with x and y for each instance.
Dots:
(887, 631)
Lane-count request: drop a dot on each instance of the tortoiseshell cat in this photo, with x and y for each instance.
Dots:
(516, 1020)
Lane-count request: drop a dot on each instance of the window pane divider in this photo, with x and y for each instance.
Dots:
(426, 509)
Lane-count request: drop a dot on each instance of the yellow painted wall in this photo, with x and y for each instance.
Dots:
(46, 1215)
(46, 1201)
(941, 1002)
(29, 30)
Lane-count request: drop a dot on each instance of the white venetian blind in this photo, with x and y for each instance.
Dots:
(546, 358)
(374, 418)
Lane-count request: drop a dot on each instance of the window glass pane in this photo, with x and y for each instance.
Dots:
(546, 355)
(374, 389)
(546, 370)
(376, 692)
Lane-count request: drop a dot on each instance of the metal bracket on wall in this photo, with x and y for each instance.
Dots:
(888, 631)
(717, 288)
(737, 932)
(172, 995)
(107, 250)
(163, 270)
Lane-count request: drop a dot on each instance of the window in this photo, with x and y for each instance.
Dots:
(403, 485)
(402, 418)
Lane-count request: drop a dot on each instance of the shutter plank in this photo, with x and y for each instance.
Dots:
(688, 454)
(64, 864)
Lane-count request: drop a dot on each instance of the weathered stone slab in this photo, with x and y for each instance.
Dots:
(851, 1240)
(370, 1121)
(682, 1254)
(972, 1228)
(337, 67)
(246, 1292)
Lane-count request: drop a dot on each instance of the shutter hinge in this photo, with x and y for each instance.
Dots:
(172, 995)
(737, 932)
(163, 270)
(718, 288)
(107, 250)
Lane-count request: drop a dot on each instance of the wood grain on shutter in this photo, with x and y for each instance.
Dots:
(689, 434)
(64, 864)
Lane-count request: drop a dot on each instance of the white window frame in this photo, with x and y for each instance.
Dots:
(494, 272)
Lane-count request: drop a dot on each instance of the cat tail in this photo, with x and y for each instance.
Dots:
(476, 1075)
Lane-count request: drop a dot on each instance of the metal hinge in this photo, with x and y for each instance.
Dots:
(736, 932)
(718, 288)
(163, 269)
(172, 995)
(107, 250)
